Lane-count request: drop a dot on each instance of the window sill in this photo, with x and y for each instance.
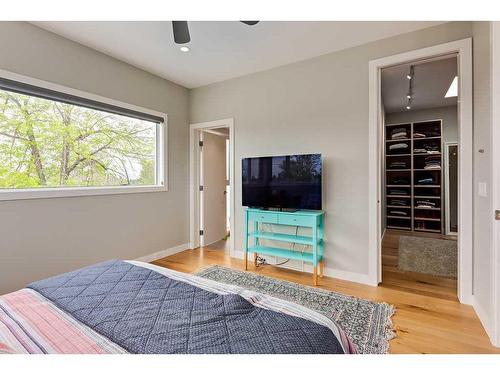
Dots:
(17, 194)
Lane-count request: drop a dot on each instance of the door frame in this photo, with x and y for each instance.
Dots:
(194, 179)
(463, 49)
(495, 186)
(447, 186)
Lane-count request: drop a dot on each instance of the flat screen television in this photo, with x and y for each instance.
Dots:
(291, 182)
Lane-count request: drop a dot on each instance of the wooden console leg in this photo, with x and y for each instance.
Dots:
(255, 259)
(321, 266)
(246, 261)
(315, 276)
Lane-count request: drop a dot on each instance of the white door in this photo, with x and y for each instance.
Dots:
(213, 179)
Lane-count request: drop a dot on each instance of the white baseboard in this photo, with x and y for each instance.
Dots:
(485, 320)
(330, 272)
(163, 253)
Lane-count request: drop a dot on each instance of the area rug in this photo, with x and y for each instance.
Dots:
(368, 324)
(432, 256)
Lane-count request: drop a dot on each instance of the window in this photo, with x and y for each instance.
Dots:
(53, 143)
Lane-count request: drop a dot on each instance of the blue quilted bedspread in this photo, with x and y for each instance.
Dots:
(146, 312)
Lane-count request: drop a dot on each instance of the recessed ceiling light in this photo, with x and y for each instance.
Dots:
(184, 49)
(453, 89)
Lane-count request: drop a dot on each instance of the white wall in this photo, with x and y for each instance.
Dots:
(43, 237)
(483, 211)
(495, 96)
(318, 105)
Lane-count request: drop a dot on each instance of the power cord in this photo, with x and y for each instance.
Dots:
(262, 261)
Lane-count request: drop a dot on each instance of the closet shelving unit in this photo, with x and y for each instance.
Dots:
(414, 192)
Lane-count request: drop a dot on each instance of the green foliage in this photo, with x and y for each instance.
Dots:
(49, 144)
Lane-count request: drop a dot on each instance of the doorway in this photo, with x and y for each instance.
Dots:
(417, 212)
(420, 104)
(215, 189)
(211, 185)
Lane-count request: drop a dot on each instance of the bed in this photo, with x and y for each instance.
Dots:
(134, 307)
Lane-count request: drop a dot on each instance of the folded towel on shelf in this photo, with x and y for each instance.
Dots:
(399, 181)
(397, 192)
(425, 204)
(426, 134)
(398, 165)
(432, 166)
(399, 133)
(433, 157)
(397, 202)
(398, 146)
(402, 135)
(426, 149)
(397, 213)
(426, 181)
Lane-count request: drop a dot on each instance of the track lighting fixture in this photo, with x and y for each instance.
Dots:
(409, 95)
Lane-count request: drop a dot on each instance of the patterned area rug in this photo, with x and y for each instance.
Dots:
(368, 324)
(432, 256)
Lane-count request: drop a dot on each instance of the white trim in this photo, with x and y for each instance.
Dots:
(66, 192)
(464, 50)
(483, 317)
(194, 175)
(163, 253)
(59, 192)
(495, 188)
(447, 222)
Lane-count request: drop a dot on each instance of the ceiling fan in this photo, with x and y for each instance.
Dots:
(181, 30)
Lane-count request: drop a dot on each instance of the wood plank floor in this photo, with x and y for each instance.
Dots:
(424, 323)
(412, 282)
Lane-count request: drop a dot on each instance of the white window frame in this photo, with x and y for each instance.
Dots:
(60, 192)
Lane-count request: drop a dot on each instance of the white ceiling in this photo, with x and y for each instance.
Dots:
(222, 50)
(431, 81)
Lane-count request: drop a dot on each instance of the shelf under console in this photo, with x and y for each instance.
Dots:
(284, 253)
(302, 240)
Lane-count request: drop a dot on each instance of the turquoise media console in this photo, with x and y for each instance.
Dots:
(299, 219)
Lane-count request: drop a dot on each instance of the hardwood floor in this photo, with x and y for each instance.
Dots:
(423, 323)
(412, 282)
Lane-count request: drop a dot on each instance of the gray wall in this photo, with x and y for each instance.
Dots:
(318, 105)
(44, 237)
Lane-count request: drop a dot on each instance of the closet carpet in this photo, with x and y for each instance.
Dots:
(432, 256)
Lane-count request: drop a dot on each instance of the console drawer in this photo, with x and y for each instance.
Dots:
(297, 220)
(263, 217)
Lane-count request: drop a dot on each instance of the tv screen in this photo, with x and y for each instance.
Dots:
(284, 182)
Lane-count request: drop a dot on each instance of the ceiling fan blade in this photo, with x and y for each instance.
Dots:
(250, 23)
(181, 32)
